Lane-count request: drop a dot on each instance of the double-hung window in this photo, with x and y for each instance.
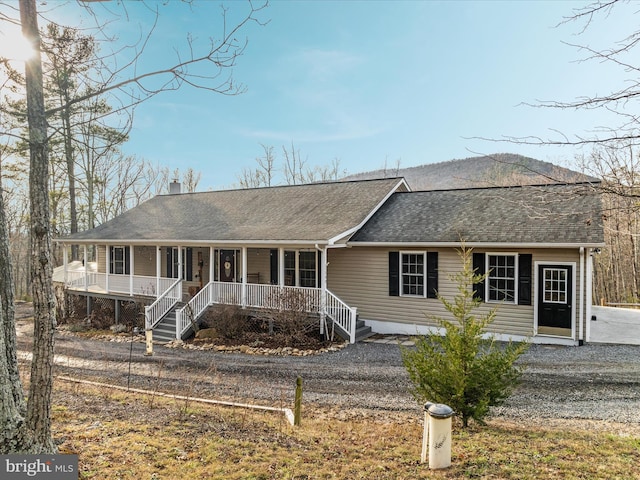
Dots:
(413, 273)
(502, 277)
(307, 268)
(118, 260)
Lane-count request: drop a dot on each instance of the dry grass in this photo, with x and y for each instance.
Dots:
(120, 435)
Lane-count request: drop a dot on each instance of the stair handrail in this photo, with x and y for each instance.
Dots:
(158, 309)
(341, 314)
(198, 304)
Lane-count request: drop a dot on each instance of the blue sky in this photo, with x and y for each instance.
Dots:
(369, 82)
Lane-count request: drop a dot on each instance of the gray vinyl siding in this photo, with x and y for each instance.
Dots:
(144, 261)
(258, 262)
(360, 277)
(101, 258)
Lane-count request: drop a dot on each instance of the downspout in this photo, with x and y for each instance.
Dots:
(589, 294)
(582, 288)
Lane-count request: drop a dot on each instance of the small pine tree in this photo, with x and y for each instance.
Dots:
(462, 366)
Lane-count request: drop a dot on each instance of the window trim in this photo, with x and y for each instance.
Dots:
(113, 262)
(515, 278)
(423, 254)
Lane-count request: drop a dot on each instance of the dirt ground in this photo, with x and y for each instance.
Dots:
(593, 386)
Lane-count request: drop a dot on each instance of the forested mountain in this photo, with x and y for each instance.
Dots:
(491, 170)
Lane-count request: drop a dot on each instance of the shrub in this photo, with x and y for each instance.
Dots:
(230, 321)
(462, 366)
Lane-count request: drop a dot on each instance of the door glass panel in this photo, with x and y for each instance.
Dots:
(555, 285)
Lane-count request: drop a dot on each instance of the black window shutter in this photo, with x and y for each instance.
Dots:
(127, 260)
(479, 269)
(394, 274)
(524, 279)
(432, 274)
(111, 260)
(319, 268)
(273, 260)
(189, 255)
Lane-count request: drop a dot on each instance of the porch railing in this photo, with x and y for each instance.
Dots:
(141, 285)
(158, 309)
(265, 296)
(193, 309)
(342, 314)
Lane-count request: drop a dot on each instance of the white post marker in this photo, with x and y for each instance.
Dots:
(425, 434)
(439, 435)
(149, 340)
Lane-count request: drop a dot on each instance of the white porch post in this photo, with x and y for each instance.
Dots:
(131, 265)
(323, 288)
(281, 266)
(86, 270)
(244, 277)
(65, 262)
(107, 267)
(211, 264)
(180, 262)
(158, 269)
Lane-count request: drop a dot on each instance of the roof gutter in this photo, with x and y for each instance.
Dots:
(173, 242)
(476, 244)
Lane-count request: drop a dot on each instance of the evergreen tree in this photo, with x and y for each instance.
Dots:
(462, 365)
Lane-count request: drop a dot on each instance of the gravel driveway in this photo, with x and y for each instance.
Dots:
(591, 382)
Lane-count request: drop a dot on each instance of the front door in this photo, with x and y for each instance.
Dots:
(227, 265)
(555, 297)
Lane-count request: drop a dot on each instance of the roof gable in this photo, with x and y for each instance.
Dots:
(297, 213)
(549, 214)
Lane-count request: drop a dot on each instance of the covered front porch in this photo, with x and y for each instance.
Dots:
(182, 281)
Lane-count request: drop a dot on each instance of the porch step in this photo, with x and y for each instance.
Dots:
(362, 331)
(165, 330)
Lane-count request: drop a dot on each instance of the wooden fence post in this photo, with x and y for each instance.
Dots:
(297, 409)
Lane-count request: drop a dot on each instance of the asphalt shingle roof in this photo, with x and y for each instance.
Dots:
(552, 214)
(313, 212)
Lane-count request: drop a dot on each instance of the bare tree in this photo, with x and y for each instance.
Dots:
(263, 175)
(294, 166)
(30, 430)
(295, 170)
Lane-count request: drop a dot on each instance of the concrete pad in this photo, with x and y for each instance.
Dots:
(615, 325)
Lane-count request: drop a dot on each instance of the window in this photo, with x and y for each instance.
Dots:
(290, 267)
(307, 269)
(502, 278)
(173, 266)
(413, 274)
(119, 260)
(555, 285)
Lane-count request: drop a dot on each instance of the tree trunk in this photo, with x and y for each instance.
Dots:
(71, 174)
(39, 403)
(12, 410)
